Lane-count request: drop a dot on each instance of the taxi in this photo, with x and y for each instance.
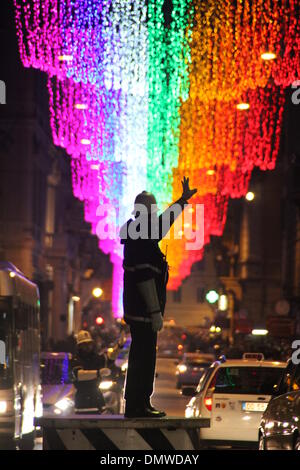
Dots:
(234, 394)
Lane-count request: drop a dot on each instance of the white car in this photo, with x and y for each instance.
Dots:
(234, 394)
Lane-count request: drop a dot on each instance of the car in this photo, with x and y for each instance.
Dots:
(191, 368)
(56, 377)
(233, 394)
(280, 424)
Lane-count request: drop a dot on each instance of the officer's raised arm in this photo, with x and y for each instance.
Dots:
(167, 218)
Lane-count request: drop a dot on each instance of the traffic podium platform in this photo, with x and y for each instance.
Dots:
(114, 432)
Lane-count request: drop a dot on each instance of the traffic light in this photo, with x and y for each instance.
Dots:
(212, 296)
(99, 321)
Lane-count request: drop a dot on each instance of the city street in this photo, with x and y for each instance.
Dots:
(166, 397)
(149, 225)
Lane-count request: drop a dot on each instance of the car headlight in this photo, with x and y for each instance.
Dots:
(189, 412)
(182, 368)
(3, 406)
(64, 404)
(106, 385)
(124, 367)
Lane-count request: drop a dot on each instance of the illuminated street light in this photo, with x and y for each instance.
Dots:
(250, 196)
(260, 332)
(80, 106)
(212, 296)
(223, 303)
(268, 56)
(65, 58)
(97, 292)
(212, 329)
(85, 141)
(242, 106)
(218, 329)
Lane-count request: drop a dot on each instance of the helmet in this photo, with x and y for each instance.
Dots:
(147, 200)
(84, 337)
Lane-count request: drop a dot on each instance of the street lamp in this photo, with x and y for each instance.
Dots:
(223, 302)
(250, 196)
(259, 332)
(97, 292)
(268, 56)
(243, 106)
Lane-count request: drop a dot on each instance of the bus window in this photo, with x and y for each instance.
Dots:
(5, 350)
(21, 317)
(56, 371)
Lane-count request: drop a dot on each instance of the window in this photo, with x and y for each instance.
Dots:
(177, 296)
(200, 295)
(56, 371)
(247, 380)
(296, 380)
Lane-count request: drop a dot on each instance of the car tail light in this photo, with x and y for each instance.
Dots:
(208, 401)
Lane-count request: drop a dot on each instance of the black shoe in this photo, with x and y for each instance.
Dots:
(148, 405)
(144, 413)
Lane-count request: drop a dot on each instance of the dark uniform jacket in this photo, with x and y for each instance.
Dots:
(143, 260)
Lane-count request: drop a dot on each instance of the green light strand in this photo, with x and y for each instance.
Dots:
(168, 78)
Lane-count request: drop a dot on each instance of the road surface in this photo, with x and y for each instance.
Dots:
(166, 397)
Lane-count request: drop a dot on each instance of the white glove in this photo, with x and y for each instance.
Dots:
(157, 322)
(148, 292)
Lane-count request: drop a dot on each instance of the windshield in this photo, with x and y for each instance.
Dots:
(56, 371)
(246, 380)
(198, 364)
(204, 379)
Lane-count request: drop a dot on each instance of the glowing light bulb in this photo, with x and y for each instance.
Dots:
(242, 106)
(268, 56)
(250, 196)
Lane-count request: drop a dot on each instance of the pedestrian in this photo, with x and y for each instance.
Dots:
(144, 298)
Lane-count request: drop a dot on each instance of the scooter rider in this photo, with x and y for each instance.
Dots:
(86, 367)
(145, 280)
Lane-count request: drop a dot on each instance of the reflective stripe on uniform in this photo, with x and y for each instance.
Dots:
(142, 266)
(143, 319)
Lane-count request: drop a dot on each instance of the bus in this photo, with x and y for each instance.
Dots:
(20, 388)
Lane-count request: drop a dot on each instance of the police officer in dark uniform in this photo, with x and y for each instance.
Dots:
(145, 280)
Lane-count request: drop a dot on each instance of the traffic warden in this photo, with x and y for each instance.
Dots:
(144, 298)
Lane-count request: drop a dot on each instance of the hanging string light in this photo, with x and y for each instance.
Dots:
(168, 53)
(217, 134)
(229, 39)
(85, 119)
(140, 97)
(63, 38)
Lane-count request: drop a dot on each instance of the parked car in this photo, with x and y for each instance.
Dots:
(233, 394)
(191, 368)
(280, 423)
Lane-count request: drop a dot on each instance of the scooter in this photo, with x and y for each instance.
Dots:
(98, 391)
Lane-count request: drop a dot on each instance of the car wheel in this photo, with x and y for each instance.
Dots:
(297, 444)
(261, 443)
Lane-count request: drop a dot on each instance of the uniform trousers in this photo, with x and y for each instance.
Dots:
(141, 365)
